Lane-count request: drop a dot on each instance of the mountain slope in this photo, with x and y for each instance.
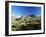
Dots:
(30, 22)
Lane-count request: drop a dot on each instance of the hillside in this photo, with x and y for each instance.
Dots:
(26, 22)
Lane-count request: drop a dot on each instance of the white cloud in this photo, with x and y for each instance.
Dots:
(18, 16)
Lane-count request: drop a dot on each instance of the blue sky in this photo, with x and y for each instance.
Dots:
(25, 10)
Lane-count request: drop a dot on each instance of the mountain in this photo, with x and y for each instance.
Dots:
(27, 17)
(26, 22)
